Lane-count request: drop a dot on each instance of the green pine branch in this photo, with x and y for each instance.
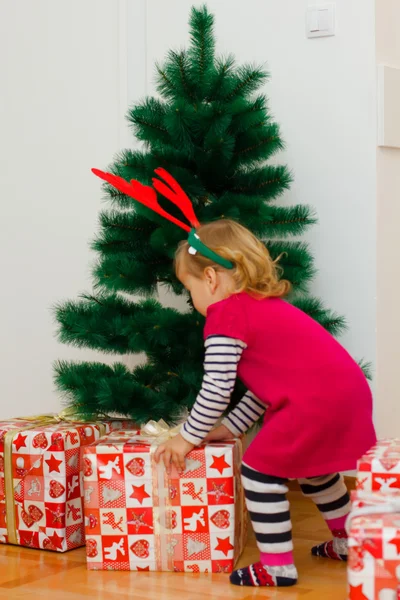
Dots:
(315, 308)
(202, 49)
(116, 325)
(296, 262)
(147, 120)
(268, 181)
(212, 130)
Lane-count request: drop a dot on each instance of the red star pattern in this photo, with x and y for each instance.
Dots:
(143, 568)
(56, 540)
(20, 441)
(220, 464)
(139, 493)
(53, 464)
(360, 483)
(27, 541)
(137, 520)
(57, 515)
(224, 545)
(218, 490)
(396, 542)
(356, 593)
(222, 568)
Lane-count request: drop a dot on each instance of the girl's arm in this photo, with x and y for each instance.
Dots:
(245, 414)
(222, 355)
(239, 420)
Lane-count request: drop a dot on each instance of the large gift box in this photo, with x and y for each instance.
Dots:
(137, 518)
(374, 547)
(379, 468)
(41, 492)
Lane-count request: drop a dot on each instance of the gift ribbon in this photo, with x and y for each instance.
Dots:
(389, 505)
(242, 512)
(68, 415)
(158, 432)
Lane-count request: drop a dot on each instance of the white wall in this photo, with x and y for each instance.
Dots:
(62, 102)
(322, 92)
(388, 248)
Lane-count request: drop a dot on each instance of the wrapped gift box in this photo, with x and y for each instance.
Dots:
(138, 519)
(41, 492)
(379, 469)
(374, 547)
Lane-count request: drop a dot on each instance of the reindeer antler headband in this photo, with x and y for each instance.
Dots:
(172, 191)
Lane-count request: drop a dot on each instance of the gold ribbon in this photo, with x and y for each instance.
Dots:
(158, 432)
(68, 415)
(240, 500)
(373, 505)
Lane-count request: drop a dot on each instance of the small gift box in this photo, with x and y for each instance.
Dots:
(379, 468)
(41, 492)
(374, 547)
(137, 518)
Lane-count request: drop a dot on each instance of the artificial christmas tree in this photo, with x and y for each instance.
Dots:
(212, 132)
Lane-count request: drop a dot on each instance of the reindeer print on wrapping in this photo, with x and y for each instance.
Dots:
(374, 548)
(201, 528)
(379, 469)
(44, 470)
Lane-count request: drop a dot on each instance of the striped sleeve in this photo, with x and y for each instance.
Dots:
(245, 414)
(222, 355)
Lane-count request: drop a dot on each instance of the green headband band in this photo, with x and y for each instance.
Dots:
(196, 245)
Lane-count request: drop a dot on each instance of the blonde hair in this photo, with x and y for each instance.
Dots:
(254, 270)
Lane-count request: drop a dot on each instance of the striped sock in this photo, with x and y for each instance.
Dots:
(259, 575)
(332, 499)
(270, 516)
(337, 548)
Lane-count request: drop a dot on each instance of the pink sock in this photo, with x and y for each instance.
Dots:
(335, 524)
(276, 560)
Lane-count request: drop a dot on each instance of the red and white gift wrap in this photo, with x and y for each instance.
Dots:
(138, 519)
(374, 547)
(379, 468)
(41, 492)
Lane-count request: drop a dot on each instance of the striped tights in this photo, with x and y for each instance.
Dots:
(269, 511)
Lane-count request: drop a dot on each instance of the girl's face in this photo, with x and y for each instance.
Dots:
(212, 287)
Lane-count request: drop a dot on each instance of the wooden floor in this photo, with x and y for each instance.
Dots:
(28, 573)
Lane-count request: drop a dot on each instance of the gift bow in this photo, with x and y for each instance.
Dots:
(389, 505)
(69, 414)
(159, 431)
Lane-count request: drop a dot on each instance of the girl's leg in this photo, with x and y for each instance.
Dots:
(270, 516)
(332, 498)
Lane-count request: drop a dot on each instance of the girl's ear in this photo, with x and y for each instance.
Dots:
(210, 276)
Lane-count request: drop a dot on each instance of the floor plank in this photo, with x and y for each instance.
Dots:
(28, 573)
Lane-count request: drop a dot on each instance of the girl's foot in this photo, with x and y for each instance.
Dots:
(265, 576)
(337, 549)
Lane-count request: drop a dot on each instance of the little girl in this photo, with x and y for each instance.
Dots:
(317, 403)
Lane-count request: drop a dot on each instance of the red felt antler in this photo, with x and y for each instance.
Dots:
(147, 196)
(176, 194)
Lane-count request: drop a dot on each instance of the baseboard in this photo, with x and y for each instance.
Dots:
(349, 480)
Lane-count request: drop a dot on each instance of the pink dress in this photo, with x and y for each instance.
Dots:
(319, 405)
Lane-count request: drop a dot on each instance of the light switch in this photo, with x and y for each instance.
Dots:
(323, 19)
(320, 20)
(313, 21)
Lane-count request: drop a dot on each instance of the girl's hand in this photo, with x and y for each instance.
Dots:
(219, 434)
(174, 451)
